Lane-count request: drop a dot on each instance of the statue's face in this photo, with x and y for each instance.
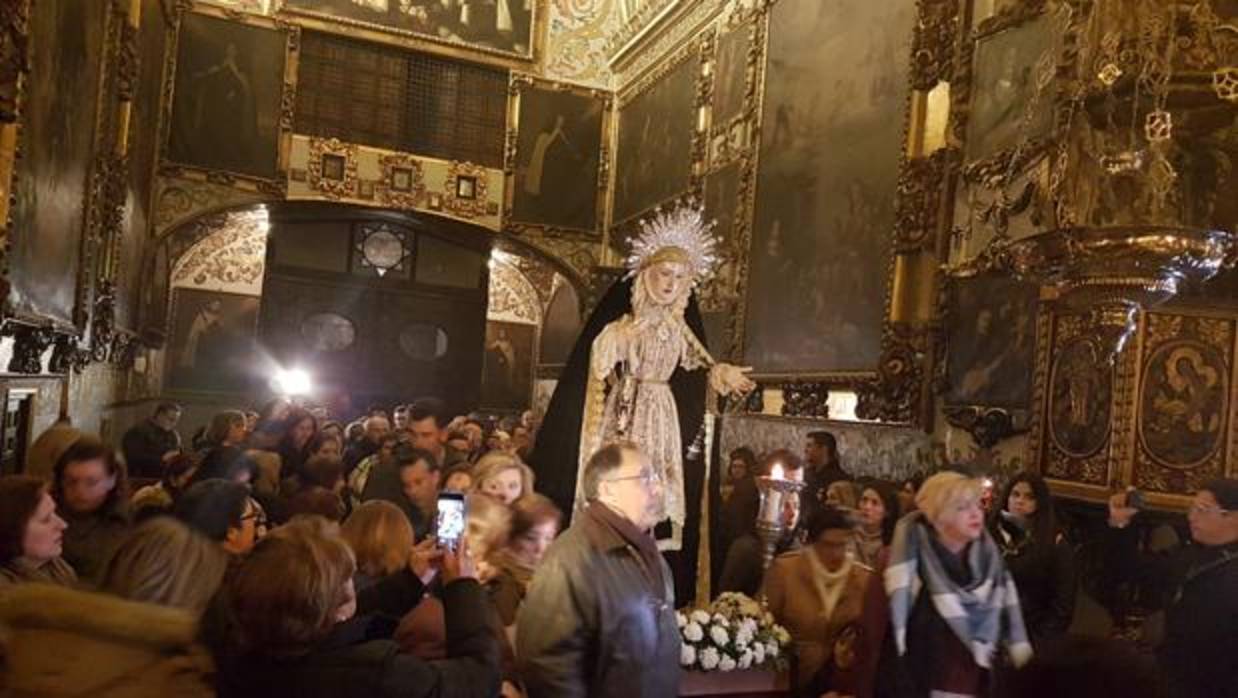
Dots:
(666, 280)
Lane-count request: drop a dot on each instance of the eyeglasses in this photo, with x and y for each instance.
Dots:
(649, 478)
(1198, 508)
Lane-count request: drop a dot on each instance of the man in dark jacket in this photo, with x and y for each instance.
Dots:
(147, 446)
(599, 618)
(1201, 613)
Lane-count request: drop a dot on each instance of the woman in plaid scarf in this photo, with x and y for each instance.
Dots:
(952, 605)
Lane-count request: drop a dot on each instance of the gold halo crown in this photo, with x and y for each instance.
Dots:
(680, 235)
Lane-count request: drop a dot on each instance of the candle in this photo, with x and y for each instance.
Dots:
(776, 472)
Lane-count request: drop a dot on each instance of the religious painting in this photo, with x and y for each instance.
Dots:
(1003, 89)
(831, 148)
(507, 375)
(226, 103)
(558, 151)
(153, 35)
(992, 342)
(494, 26)
(52, 175)
(653, 160)
(212, 347)
(1079, 402)
(1183, 403)
(731, 76)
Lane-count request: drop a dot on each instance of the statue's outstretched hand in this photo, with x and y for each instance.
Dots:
(728, 379)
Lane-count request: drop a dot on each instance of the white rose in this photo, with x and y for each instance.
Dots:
(745, 659)
(709, 659)
(719, 635)
(758, 654)
(743, 638)
(750, 625)
(726, 664)
(687, 655)
(693, 633)
(771, 650)
(719, 619)
(680, 619)
(699, 616)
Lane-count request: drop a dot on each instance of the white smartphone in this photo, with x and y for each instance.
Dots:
(449, 526)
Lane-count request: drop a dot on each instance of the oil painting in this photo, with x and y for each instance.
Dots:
(56, 142)
(558, 150)
(227, 96)
(1003, 88)
(1081, 386)
(507, 375)
(653, 161)
(831, 140)
(992, 342)
(212, 344)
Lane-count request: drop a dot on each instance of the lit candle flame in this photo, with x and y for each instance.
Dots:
(775, 473)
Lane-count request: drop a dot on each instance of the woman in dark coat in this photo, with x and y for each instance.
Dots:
(1037, 556)
(301, 640)
(91, 490)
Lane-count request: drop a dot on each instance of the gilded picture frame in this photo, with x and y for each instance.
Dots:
(557, 130)
(56, 149)
(775, 334)
(273, 121)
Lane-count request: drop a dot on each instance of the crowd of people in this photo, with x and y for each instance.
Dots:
(278, 553)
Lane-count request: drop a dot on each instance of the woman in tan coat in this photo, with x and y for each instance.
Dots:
(816, 591)
(137, 640)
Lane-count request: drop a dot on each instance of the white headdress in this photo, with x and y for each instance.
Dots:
(683, 229)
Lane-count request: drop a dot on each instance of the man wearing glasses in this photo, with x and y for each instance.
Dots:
(599, 618)
(1201, 613)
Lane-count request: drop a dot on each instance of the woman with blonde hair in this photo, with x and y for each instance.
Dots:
(502, 476)
(951, 603)
(381, 538)
(164, 562)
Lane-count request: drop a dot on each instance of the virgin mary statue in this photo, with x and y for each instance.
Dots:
(641, 372)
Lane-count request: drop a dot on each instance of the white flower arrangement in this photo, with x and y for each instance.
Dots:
(734, 632)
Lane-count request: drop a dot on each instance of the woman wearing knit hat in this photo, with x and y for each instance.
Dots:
(1201, 613)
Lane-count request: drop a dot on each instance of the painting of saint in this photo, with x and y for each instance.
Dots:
(1079, 403)
(1004, 84)
(227, 96)
(507, 377)
(212, 345)
(831, 147)
(653, 160)
(504, 26)
(56, 140)
(1183, 403)
(558, 150)
(992, 342)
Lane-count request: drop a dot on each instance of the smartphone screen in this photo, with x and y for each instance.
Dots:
(449, 527)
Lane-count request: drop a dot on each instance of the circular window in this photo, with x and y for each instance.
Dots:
(383, 249)
(328, 332)
(423, 342)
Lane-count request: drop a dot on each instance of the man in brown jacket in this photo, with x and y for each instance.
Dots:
(599, 618)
